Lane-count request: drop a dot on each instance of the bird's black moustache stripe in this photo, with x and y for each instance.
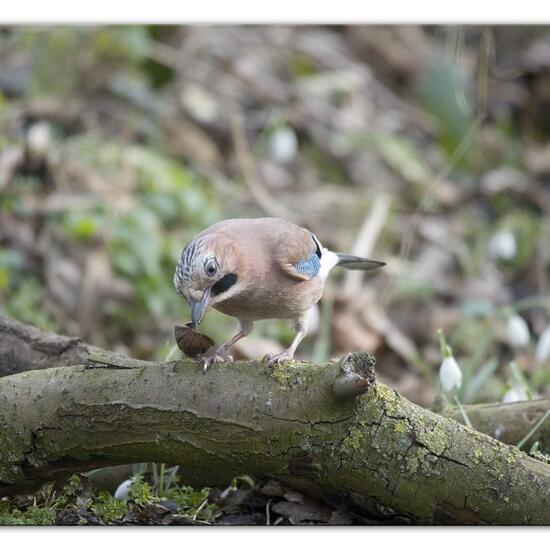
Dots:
(224, 284)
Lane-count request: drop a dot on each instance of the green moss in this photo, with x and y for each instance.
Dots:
(290, 374)
(510, 458)
(354, 441)
(478, 453)
(414, 461)
(280, 373)
(401, 426)
(434, 439)
(541, 456)
(388, 398)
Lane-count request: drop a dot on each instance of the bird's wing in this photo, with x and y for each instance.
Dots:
(297, 252)
(292, 248)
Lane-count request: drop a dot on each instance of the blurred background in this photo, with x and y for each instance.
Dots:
(424, 147)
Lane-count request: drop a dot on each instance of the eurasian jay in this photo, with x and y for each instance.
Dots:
(251, 269)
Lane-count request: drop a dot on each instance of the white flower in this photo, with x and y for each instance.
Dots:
(517, 332)
(450, 374)
(514, 394)
(283, 145)
(200, 103)
(502, 245)
(542, 353)
(123, 490)
(38, 138)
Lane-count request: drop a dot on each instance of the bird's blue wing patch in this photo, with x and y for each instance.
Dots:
(309, 267)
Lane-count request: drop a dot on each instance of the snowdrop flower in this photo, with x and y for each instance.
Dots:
(200, 103)
(38, 138)
(542, 353)
(502, 245)
(514, 394)
(450, 374)
(283, 145)
(517, 332)
(123, 490)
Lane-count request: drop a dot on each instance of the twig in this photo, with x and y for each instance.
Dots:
(267, 514)
(200, 508)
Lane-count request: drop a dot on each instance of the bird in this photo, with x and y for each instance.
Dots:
(257, 268)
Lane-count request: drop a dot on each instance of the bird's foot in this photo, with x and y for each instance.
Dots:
(279, 358)
(214, 355)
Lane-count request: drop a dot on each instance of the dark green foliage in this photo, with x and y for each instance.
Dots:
(46, 507)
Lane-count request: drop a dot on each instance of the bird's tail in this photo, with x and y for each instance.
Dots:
(356, 262)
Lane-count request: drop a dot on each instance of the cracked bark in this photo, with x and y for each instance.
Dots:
(289, 423)
(23, 348)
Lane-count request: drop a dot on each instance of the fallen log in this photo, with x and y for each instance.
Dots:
(508, 422)
(325, 429)
(24, 347)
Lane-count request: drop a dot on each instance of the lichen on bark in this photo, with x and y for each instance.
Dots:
(289, 423)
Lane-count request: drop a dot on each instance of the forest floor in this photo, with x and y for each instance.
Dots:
(426, 148)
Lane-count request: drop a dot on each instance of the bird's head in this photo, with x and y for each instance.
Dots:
(205, 274)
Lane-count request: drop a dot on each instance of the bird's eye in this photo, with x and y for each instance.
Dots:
(211, 267)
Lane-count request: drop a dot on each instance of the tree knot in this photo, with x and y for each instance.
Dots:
(357, 375)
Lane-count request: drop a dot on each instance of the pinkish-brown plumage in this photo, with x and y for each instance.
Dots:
(251, 269)
(270, 248)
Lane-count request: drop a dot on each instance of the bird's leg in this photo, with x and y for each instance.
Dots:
(218, 354)
(300, 326)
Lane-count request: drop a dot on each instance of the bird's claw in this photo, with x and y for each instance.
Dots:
(277, 359)
(214, 355)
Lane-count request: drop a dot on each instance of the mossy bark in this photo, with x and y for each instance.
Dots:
(23, 348)
(288, 423)
(509, 422)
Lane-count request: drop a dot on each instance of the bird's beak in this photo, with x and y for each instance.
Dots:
(199, 307)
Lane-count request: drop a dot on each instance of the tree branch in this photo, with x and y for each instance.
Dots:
(508, 422)
(292, 423)
(23, 348)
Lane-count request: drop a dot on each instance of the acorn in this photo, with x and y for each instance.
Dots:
(190, 342)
